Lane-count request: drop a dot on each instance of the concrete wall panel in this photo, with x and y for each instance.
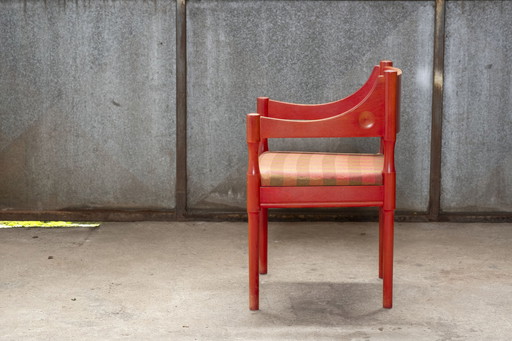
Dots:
(87, 104)
(477, 125)
(300, 51)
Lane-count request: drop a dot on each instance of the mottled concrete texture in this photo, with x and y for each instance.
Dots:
(300, 51)
(188, 281)
(87, 104)
(477, 126)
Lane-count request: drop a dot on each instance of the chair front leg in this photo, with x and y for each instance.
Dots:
(263, 240)
(253, 218)
(253, 206)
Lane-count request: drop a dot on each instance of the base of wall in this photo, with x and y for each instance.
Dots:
(90, 215)
(274, 215)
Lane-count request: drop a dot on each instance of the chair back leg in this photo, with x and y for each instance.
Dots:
(263, 240)
(381, 226)
(387, 255)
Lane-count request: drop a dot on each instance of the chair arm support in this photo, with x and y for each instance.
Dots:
(253, 169)
(253, 128)
(392, 108)
(389, 175)
(262, 109)
(392, 82)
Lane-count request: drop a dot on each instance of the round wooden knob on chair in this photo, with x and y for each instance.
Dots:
(366, 119)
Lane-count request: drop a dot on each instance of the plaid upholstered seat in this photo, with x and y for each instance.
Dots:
(317, 169)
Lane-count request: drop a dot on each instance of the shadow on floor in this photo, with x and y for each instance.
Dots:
(321, 303)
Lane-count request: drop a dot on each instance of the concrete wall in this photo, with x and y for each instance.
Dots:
(87, 96)
(87, 104)
(304, 51)
(477, 136)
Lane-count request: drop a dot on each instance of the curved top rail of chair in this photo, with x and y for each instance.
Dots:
(364, 119)
(286, 110)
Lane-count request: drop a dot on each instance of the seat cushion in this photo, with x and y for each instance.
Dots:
(320, 169)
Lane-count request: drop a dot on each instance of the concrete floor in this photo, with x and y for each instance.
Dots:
(187, 281)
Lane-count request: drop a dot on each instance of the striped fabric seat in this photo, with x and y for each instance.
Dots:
(319, 169)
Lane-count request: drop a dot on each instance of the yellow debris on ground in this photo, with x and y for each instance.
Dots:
(11, 224)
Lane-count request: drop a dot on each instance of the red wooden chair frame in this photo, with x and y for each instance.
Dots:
(372, 111)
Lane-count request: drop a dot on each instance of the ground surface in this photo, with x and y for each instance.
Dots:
(187, 281)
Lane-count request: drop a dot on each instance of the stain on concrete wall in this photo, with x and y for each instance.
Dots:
(300, 51)
(87, 104)
(477, 125)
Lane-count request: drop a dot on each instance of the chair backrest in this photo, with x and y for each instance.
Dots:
(290, 111)
(372, 111)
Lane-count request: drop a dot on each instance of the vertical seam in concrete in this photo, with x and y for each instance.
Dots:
(181, 109)
(434, 206)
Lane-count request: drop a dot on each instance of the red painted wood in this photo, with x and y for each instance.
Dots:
(373, 110)
(389, 192)
(263, 240)
(387, 261)
(253, 207)
(385, 64)
(253, 128)
(262, 109)
(318, 196)
(294, 111)
(381, 227)
(391, 79)
(253, 218)
(365, 120)
(398, 99)
(324, 204)
(253, 172)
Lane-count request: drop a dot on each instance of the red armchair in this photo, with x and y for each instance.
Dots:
(294, 179)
